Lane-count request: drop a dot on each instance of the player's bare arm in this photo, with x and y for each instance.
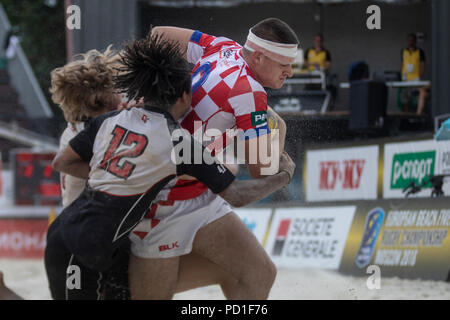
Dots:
(275, 122)
(69, 162)
(179, 35)
(243, 192)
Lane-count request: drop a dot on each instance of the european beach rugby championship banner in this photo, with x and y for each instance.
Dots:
(415, 162)
(342, 174)
(312, 237)
(406, 238)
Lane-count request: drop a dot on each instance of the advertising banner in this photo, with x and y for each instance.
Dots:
(23, 238)
(342, 174)
(309, 237)
(443, 165)
(409, 164)
(405, 238)
(257, 220)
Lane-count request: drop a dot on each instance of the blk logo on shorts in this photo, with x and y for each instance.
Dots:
(283, 230)
(165, 247)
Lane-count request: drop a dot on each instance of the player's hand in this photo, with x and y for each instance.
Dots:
(272, 123)
(287, 165)
(140, 103)
(128, 105)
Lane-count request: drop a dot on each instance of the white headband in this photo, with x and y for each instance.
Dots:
(281, 52)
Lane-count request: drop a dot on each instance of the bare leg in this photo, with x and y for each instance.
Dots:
(423, 95)
(228, 243)
(5, 292)
(196, 271)
(225, 252)
(153, 279)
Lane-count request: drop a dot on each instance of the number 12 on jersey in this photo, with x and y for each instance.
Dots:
(117, 149)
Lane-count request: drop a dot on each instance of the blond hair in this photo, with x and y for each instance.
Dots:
(85, 87)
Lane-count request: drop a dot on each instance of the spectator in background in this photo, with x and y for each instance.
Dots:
(412, 69)
(317, 57)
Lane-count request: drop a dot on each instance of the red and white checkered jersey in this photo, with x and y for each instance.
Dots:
(225, 95)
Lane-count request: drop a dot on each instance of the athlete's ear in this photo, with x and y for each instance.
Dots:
(186, 99)
(258, 58)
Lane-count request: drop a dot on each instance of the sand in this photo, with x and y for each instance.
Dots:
(28, 279)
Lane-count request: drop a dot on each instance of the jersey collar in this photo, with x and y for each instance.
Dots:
(159, 110)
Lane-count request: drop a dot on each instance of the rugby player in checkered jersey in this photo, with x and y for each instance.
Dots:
(127, 158)
(189, 227)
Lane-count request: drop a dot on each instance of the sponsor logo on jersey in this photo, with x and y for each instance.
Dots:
(412, 167)
(258, 117)
(283, 230)
(228, 53)
(374, 222)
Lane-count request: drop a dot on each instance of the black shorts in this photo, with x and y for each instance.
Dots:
(70, 279)
(96, 225)
(91, 284)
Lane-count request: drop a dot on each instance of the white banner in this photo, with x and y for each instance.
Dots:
(309, 237)
(443, 164)
(256, 219)
(342, 174)
(411, 164)
(6, 188)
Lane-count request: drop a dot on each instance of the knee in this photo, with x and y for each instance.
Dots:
(264, 275)
(271, 273)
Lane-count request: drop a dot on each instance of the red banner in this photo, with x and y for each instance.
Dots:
(23, 238)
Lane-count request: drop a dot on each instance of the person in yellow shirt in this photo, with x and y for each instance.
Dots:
(413, 60)
(317, 57)
(412, 69)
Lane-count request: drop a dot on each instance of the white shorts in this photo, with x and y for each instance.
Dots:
(172, 229)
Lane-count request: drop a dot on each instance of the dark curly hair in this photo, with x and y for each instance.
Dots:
(153, 68)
